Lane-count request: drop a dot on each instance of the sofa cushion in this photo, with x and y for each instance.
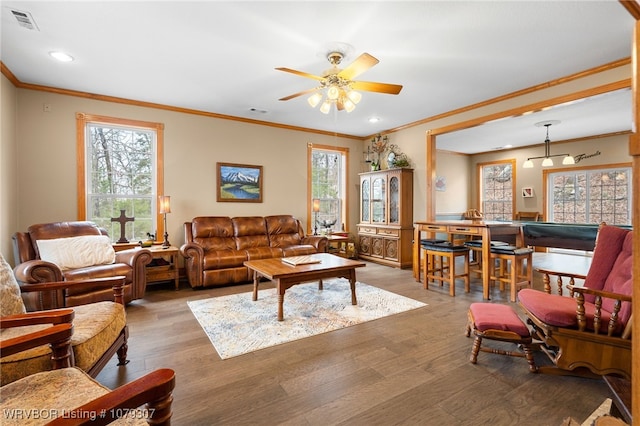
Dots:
(250, 232)
(213, 233)
(560, 311)
(298, 250)
(47, 231)
(77, 252)
(10, 300)
(95, 328)
(620, 279)
(221, 259)
(264, 253)
(608, 247)
(283, 231)
(52, 394)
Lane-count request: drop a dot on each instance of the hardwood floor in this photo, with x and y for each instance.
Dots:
(410, 368)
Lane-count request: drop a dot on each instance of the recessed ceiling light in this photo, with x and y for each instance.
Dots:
(374, 120)
(61, 56)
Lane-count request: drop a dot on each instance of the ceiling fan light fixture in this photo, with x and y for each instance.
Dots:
(336, 84)
(354, 96)
(333, 93)
(325, 107)
(349, 105)
(568, 160)
(314, 99)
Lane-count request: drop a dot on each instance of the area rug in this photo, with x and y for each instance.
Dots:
(237, 325)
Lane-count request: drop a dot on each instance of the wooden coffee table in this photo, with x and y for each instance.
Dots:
(285, 276)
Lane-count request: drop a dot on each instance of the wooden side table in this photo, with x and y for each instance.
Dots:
(166, 268)
(338, 244)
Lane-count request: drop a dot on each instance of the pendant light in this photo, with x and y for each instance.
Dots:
(548, 162)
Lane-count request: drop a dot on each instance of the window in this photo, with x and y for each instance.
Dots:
(327, 181)
(120, 171)
(497, 185)
(590, 195)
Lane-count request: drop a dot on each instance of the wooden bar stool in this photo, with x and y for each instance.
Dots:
(475, 262)
(518, 275)
(424, 261)
(440, 265)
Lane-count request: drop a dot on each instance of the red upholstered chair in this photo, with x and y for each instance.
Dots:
(589, 332)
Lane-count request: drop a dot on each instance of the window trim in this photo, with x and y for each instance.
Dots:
(480, 181)
(547, 172)
(82, 120)
(345, 205)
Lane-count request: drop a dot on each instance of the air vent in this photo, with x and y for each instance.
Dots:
(25, 20)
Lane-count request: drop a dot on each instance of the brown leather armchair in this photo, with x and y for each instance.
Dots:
(30, 268)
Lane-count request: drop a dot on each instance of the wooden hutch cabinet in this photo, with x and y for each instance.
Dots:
(385, 231)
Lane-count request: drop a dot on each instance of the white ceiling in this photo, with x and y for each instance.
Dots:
(220, 57)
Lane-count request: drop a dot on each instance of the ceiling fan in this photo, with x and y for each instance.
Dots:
(337, 85)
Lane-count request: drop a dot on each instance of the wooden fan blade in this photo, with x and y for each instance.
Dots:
(357, 67)
(301, 73)
(295, 95)
(370, 86)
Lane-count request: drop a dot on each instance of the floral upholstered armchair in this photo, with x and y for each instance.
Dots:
(69, 396)
(100, 329)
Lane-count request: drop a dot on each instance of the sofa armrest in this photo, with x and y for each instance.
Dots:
(561, 276)
(37, 271)
(320, 242)
(116, 283)
(614, 323)
(194, 259)
(137, 259)
(58, 337)
(56, 316)
(155, 389)
(134, 256)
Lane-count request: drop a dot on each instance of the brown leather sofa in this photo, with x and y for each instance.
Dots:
(217, 246)
(30, 268)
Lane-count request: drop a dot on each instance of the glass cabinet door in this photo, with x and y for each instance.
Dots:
(365, 200)
(394, 199)
(378, 200)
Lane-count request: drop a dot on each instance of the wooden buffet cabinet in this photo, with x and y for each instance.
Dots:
(385, 228)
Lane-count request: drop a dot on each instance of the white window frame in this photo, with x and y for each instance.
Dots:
(341, 220)
(484, 198)
(83, 122)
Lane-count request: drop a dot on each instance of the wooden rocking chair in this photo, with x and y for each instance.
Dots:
(589, 332)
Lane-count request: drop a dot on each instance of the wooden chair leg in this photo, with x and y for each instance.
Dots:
(477, 342)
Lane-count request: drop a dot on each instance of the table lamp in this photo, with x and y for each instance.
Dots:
(316, 209)
(164, 203)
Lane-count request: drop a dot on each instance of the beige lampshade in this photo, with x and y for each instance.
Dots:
(164, 204)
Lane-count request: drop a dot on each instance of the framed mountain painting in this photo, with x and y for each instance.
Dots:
(239, 183)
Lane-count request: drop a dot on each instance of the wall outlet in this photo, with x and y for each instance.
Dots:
(46, 107)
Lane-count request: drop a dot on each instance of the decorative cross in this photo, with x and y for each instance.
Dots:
(123, 219)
